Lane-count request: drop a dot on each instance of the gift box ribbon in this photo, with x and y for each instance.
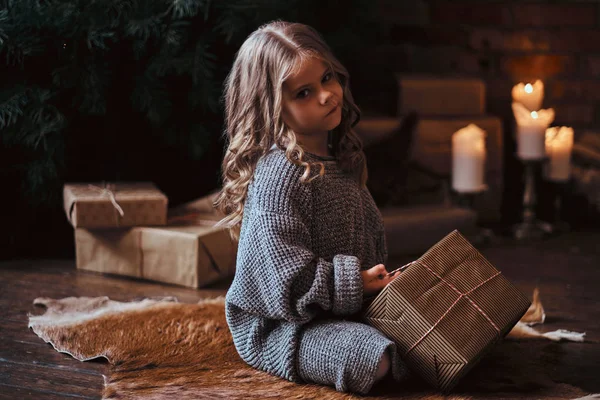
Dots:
(460, 296)
(107, 191)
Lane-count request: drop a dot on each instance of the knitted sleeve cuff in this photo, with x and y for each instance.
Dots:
(348, 285)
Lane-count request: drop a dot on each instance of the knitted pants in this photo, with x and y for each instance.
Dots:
(344, 354)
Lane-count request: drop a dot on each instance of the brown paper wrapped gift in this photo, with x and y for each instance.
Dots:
(192, 255)
(119, 204)
(446, 310)
(197, 212)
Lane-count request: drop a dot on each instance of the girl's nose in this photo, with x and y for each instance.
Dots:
(325, 96)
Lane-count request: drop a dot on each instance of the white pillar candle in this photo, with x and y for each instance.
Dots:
(559, 144)
(531, 96)
(531, 131)
(468, 159)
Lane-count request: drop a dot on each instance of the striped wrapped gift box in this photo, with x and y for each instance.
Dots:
(446, 310)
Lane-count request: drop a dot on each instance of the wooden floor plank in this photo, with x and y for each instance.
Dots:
(22, 286)
(51, 380)
(11, 392)
(25, 347)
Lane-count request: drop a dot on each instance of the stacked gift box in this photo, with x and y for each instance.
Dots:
(126, 229)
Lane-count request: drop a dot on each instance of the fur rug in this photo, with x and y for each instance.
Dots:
(161, 349)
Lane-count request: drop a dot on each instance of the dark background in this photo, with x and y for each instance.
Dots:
(124, 93)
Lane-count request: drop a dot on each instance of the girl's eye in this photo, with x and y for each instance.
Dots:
(305, 92)
(302, 94)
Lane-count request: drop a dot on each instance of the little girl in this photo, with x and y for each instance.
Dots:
(311, 240)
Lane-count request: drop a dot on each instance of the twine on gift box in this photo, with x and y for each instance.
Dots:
(461, 295)
(394, 272)
(107, 191)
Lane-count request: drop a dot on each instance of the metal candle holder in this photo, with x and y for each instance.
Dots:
(531, 227)
(558, 224)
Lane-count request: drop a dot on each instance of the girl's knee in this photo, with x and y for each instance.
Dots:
(383, 367)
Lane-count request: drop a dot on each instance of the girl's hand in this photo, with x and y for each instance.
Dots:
(375, 279)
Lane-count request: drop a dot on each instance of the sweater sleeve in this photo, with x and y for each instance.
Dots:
(282, 279)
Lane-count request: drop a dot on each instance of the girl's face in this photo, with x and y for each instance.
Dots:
(312, 99)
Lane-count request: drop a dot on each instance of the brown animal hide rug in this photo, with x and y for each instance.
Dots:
(161, 349)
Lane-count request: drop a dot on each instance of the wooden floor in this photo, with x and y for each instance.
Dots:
(566, 269)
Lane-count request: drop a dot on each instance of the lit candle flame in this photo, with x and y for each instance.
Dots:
(528, 88)
(534, 115)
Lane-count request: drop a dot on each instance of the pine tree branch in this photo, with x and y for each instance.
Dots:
(3, 25)
(173, 38)
(189, 8)
(204, 63)
(145, 23)
(12, 107)
(39, 120)
(98, 39)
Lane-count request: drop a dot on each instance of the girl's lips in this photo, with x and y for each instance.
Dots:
(332, 110)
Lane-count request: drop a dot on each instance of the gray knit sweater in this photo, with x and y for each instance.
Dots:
(297, 283)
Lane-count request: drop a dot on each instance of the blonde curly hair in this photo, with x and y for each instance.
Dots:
(253, 113)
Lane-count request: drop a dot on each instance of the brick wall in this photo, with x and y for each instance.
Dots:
(502, 42)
